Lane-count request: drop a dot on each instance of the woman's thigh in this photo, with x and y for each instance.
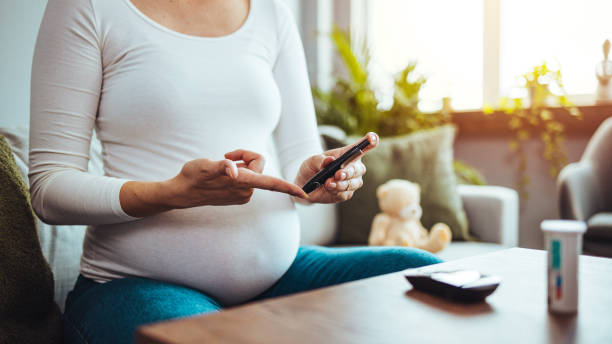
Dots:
(110, 312)
(316, 267)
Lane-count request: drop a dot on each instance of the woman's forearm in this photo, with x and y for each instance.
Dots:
(204, 182)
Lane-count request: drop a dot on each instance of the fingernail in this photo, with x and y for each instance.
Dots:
(332, 184)
(342, 175)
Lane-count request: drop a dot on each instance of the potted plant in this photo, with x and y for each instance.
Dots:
(351, 104)
(536, 119)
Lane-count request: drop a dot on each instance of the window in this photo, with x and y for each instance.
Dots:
(444, 38)
(474, 50)
(566, 33)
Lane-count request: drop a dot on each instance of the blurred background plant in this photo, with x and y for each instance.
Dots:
(536, 119)
(351, 103)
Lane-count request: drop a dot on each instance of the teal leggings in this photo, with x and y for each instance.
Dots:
(110, 312)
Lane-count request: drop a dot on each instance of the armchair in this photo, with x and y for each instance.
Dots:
(585, 191)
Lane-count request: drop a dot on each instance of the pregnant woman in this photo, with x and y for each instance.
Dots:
(205, 115)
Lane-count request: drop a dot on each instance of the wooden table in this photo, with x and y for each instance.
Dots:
(384, 309)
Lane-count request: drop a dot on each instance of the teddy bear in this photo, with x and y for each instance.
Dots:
(399, 224)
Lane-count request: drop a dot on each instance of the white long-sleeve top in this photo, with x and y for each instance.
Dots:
(157, 99)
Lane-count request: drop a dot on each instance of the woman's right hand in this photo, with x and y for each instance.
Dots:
(205, 182)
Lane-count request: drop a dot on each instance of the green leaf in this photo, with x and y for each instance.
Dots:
(342, 41)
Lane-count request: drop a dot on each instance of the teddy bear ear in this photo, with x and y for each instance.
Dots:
(381, 191)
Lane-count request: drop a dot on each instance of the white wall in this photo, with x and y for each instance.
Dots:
(19, 22)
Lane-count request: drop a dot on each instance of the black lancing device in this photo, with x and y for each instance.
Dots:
(329, 170)
(475, 290)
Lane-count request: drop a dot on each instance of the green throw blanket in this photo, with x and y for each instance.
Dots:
(28, 313)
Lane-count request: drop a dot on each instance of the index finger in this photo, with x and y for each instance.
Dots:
(265, 182)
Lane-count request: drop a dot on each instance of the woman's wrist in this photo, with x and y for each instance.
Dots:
(140, 199)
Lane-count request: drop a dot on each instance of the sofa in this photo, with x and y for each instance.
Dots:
(492, 212)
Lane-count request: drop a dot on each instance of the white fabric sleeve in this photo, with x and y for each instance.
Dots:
(296, 136)
(65, 91)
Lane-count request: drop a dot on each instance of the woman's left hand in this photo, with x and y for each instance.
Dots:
(345, 181)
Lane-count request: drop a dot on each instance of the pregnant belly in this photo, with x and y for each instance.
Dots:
(232, 253)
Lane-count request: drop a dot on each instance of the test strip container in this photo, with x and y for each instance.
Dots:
(563, 240)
